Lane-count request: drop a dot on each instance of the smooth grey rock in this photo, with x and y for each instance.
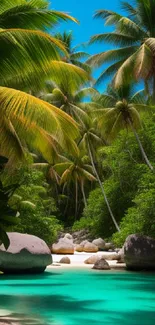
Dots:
(65, 260)
(79, 248)
(110, 256)
(139, 252)
(121, 255)
(117, 250)
(90, 248)
(100, 243)
(26, 254)
(84, 242)
(109, 246)
(101, 264)
(68, 236)
(92, 259)
(64, 246)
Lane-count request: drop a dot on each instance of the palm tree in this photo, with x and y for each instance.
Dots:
(26, 120)
(122, 108)
(74, 54)
(90, 141)
(135, 33)
(74, 99)
(77, 172)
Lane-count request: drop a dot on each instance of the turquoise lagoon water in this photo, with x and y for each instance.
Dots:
(80, 297)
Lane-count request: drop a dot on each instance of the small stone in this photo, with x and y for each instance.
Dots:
(100, 243)
(101, 264)
(92, 259)
(65, 260)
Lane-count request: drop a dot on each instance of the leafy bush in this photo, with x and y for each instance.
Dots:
(141, 217)
(96, 217)
(38, 211)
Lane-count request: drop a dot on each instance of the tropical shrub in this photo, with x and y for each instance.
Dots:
(37, 209)
(141, 217)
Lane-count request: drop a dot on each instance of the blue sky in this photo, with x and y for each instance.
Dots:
(83, 10)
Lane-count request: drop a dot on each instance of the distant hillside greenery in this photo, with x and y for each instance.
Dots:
(70, 156)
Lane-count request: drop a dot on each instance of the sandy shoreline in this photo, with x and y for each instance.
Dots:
(77, 261)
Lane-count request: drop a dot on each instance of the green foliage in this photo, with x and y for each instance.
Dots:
(123, 168)
(38, 211)
(8, 216)
(96, 210)
(141, 217)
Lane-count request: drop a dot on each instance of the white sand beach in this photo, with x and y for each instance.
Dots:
(77, 260)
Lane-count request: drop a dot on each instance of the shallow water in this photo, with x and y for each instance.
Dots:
(80, 297)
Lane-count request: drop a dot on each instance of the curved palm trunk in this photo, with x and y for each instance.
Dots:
(76, 198)
(83, 193)
(140, 146)
(153, 95)
(102, 189)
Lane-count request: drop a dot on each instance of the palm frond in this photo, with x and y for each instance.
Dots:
(111, 55)
(135, 117)
(61, 167)
(127, 7)
(142, 107)
(139, 97)
(116, 126)
(116, 38)
(143, 62)
(125, 72)
(28, 15)
(86, 92)
(82, 65)
(85, 174)
(108, 72)
(150, 42)
(66, 176)
(18, 55)
(37, 122)
(89, 107)
(79, 55)
(10, 145)
(106, 100)
(109, 16)
(128, 26)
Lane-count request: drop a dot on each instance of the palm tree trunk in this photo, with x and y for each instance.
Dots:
(153, 95)
(66, 207)
(76, 198)
(83, 193)
(146, 88)
(140, 146)
(102, 189)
